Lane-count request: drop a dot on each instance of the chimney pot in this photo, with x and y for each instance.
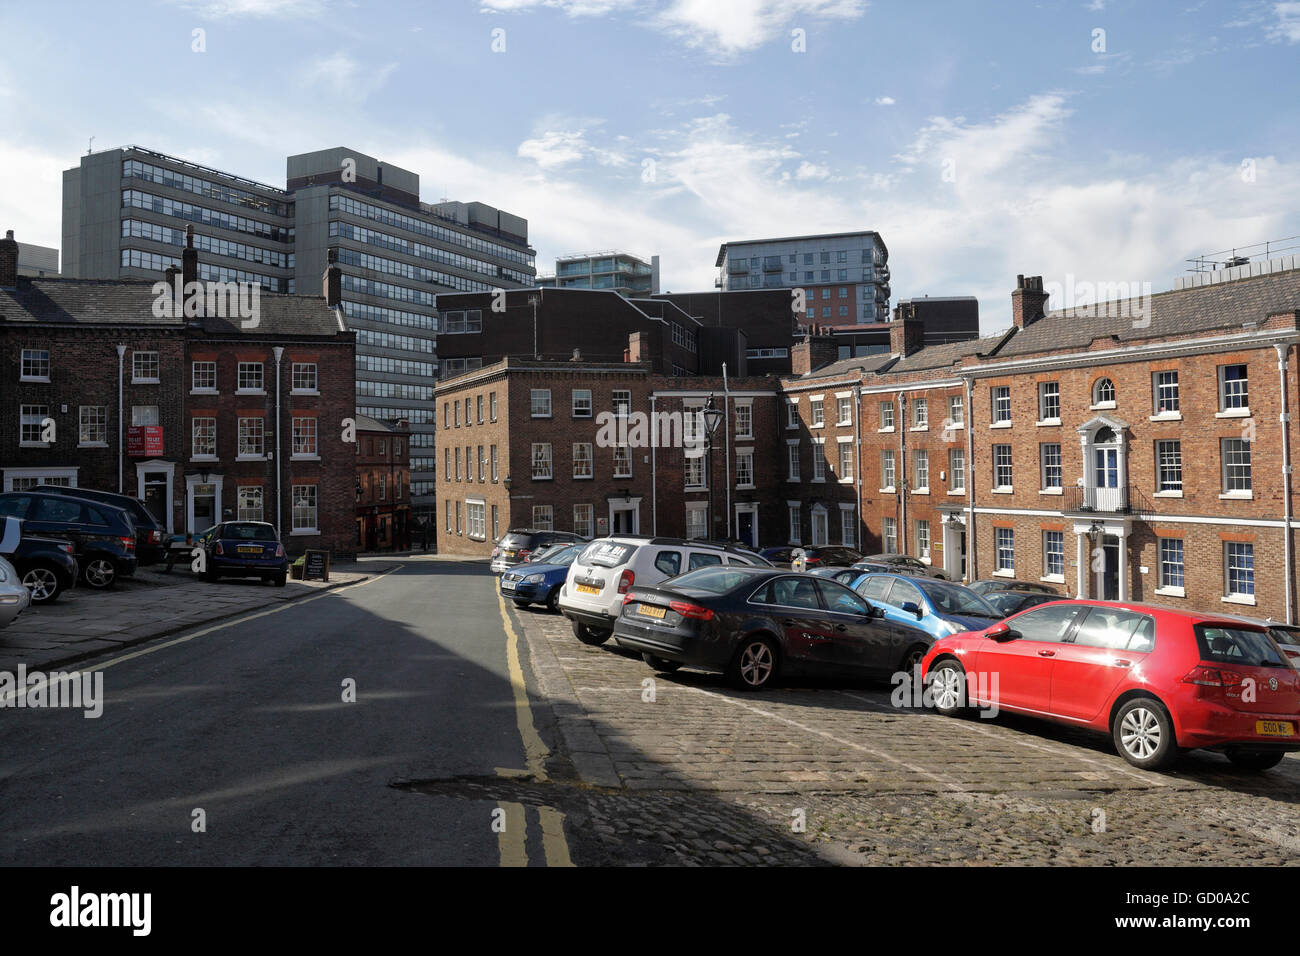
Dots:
(8, 261)
(1028, 301)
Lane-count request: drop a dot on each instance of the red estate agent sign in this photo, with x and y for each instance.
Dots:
(144, 441)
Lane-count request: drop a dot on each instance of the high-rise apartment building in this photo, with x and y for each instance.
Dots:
(844, 275)
(625, 274)
(125, 212)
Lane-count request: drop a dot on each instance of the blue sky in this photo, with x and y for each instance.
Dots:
(980, 139)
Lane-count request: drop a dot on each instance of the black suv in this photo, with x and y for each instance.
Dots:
(150, 534)
(45, 565)
(518, 543)
(102, 537)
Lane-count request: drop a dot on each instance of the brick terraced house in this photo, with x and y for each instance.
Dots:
(1138, 450)
(201, 416)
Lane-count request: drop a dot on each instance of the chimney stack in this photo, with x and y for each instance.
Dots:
(332, 281)
(1028, 302)
(189, 259)
(906, 331)
(816, 349)
(8, 261)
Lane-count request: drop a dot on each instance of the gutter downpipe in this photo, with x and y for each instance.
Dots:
(1285, 420)
(969, 417)
(279, 353)
(902, 473)
(857, 441)
(654, 474)
(121, 431)
(726, 454)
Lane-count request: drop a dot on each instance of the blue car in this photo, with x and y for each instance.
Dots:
(243, 549)
(530, 583)
(939, 608)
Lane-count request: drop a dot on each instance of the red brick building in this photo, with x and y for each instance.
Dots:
(383, 510)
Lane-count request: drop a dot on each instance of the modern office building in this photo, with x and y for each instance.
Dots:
(124, 213)
(626, 274)
(37, 262)
(844, 275)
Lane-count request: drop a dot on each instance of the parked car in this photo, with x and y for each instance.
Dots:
(541, 554)
(14, 596)
(592, 594)
(845, 576)
(778, 556)
(937, 607)
(1008, 602)
(150, 533)
(539, 582)
(517, 544)
(243, 549)
(906, 564)
(102, 536)
(46, 566)
(989, 585)
(1155, 679)
(806, 559)
(757, 624)
(1287, 636)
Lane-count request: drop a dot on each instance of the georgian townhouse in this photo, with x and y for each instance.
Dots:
(383, 509)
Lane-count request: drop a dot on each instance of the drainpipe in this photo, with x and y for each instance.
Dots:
(857, 442)
(279, 353)
(726, 452)
(902, 473)
(121, 431)
(970, 483)
(654, 475)
(1285, 419)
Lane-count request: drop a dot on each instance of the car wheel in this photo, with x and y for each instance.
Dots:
(1255, 760)
(1144, 734)
(589, 635)
(912, 659)
(520, 602)
(947, 688)
(553, 600)
(99, 573)
(280, 579)
(755, 664)
(661, 664)
(43, 583)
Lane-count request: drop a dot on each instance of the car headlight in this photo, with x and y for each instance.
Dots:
(535, 579)
(4, 575)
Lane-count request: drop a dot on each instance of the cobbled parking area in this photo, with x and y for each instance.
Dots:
(700, 773)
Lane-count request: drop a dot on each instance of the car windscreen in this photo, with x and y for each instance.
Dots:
(563, 557)
(1237, 645)
(248, 532)
(514, 539)
(951, 599)
(717, 579)
(607, 554)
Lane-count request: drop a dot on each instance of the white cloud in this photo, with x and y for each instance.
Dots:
(560, 147)
(1287, 27)
(809, 170)
(730, 27)
(345, 77)
(885, 101)
(574, 8)
(262, 9)
(33, 211)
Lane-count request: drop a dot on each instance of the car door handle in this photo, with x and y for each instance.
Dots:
(1047, 653)
(841, 627)
(1122, 663)
(787, 623)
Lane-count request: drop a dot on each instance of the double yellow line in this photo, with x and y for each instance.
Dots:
(512, 837)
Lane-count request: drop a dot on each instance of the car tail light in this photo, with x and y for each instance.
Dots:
(625, 581)
(495, 552)
(220, 550)
(128, 543)
(809, 562)
(522, 555)
(629, 597)
(279, 551)
(1212, 677)
(155, 537)
(694, 611)
(66, 547)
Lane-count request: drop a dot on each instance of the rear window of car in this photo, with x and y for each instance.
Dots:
(715, 580)
(1284, 635)
(515, 540)
(607, 554)
(1237, 645)
(248, 532)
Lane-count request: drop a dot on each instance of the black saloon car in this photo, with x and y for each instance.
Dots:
(102, 537)
(243, 549)
(754, 624)
(1009, 602)
(987, 586)
(150, 535)
(822, 556)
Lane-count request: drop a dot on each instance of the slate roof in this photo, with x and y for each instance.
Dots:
(879, 362)
(1224, 305)
(129, 302)
(945, 355)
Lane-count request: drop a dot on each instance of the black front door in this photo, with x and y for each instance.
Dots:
(155, 496)
(1110, 577)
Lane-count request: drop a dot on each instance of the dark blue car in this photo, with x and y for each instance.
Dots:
(243, 549)
(530, 583)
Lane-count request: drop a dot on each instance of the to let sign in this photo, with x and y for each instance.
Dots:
(144, 441)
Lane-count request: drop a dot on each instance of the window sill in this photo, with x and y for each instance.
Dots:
(1001, 491)
(304, 391)
(958, 492)
(250, 458)
(251, 391)
(1172, 592)
(1047, 422)
(818, 481)
(842, 424)
(304, 457)
(1166, 417)
(35, 378)
(843, 481)
(92, 444)
(921, 491)
(1233, 413)
(303, 532)
(144, 381)
(1101, 406)
(204, 458)
(1000, 424)
(1167, 494)
(818, 425)
(1237, 496)
(1248, 599)
(891, 490)
(204, 391)
(744, 487)
(919, 428)
(542, 478)
(1008, 573)
(1054, 579)
(583, 477)
(530, 416)
(885, 431)
(744, 437)
(1051, 491)
(617, 475)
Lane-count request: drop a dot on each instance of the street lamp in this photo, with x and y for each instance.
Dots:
(506, 482)
(712, 419)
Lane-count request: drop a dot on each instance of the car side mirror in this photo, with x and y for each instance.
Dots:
(1001, 633)
(910, 607)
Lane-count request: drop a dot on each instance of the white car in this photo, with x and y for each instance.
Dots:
(14, 596)
(592, 594)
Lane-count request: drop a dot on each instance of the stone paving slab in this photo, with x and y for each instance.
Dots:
(84, 622)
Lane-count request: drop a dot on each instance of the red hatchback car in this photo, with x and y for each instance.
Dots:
(1158, 680)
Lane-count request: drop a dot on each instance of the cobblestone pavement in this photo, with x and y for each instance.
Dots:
(695, 772)
(150, 604)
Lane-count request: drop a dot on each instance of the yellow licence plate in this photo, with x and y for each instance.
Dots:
(242, 550)
(1275, 728)
(587, 589)
(649, 610)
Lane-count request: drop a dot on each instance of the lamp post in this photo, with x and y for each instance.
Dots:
(712, 419)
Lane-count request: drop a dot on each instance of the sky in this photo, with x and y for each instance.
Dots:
(1100, 141)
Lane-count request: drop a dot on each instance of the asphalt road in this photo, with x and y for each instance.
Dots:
(247, 723)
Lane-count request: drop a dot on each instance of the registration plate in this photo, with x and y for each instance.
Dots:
(1275, 728)
(508, 554)
(507, 585)
(243, 550)
(649, 610)
(587, 589)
